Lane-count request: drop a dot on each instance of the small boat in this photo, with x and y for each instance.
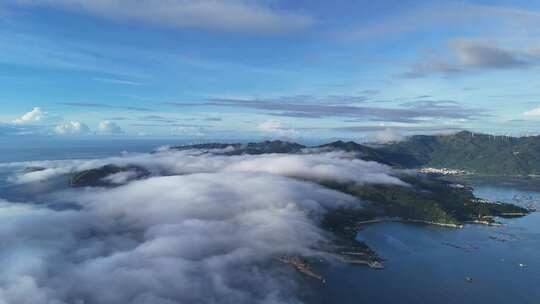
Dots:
(468, 279)
(522, 265)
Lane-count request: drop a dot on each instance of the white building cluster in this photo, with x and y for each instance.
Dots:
(442, 171)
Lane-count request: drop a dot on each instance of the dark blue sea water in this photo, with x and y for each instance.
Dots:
(15, 149)
(422, 267)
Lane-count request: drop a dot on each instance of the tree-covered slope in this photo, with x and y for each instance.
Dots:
(479, 153)
(253, 148)
(367, 153)
(424, 199)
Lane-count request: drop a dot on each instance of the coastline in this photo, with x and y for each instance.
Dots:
(403, 220)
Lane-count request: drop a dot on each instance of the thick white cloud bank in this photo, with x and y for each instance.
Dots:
(209, 232)
(318, 166)
(199, 238)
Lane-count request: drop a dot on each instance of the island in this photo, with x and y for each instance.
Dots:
(426, 198)
(108, 176)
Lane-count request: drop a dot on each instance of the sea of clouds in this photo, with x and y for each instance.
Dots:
(339, 166)
(204, 228)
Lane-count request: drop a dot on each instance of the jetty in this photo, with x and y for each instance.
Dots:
(403, 220)
(301, 266)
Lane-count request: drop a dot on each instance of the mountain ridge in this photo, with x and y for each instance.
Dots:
(474, 152)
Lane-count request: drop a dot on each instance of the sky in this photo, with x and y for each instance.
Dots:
(245, 69)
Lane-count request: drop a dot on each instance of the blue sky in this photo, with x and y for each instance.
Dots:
(268, 68)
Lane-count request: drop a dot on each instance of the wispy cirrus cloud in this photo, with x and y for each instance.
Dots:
(346, 107)
(213, 119)
(475, 55)
(159, 119)
(466, 56)
(105, 106)
(18, 129)
(118, 81)
(241, 16)
(440, 15)
(20, 46)
(498, 37)
(403, 129)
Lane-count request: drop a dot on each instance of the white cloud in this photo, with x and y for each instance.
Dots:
(318, 166)
(533, 113)
(209, 234)
(328, 166)
(270, 126)
(189, 131)
(202, 238)
(121, 178)
(72, 128)
(386, 136)
(109, 127)
(274, 126)
(480, 55)
(33, 117)
(118, 81)
(431, 15)
(468, 55)
(223, 15)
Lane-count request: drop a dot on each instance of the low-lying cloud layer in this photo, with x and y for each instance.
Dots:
(203, 238)
(209, 234)
(320, 166)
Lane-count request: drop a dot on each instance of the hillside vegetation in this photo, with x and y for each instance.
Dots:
(479, 153)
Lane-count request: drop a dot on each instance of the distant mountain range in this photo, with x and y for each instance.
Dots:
(477, 153)
(255, 148)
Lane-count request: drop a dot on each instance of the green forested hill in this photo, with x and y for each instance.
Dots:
(364, 152)
(480, 153)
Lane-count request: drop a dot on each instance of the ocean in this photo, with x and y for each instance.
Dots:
(428, 264)
(15, 149)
